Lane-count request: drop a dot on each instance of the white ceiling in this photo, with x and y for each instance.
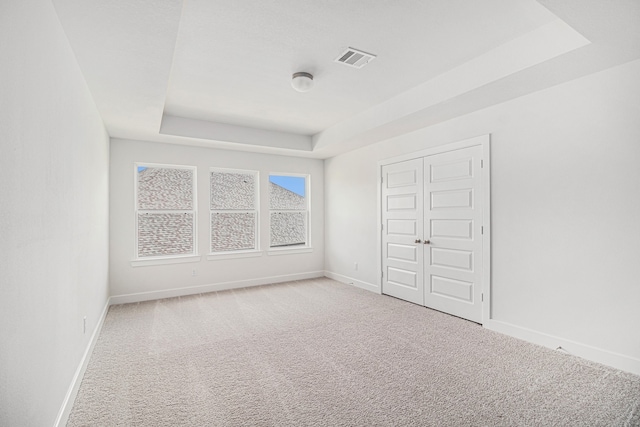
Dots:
(217, 73)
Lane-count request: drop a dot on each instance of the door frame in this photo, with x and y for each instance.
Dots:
(485, 142)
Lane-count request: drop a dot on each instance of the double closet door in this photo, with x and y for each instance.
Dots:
(432, 231)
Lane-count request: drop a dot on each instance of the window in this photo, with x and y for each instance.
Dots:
(288, 210)
(234, 211)
(165, 211)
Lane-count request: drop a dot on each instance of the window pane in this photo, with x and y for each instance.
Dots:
(232, 231)
(288, 228)
(287, 192)
(165, 234)
(232, 191)
(165, 188)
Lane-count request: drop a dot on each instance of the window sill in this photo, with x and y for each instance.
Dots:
(162, 261)
(289, 251)
(233, 255)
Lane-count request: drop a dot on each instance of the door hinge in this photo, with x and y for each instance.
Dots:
(482, 230)
(482, 297)
(381, 226)
(382, 179)
(382, 274)
(481, 163)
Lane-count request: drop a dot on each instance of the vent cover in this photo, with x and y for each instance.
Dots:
(355, 58)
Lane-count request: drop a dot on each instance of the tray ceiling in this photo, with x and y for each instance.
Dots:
(217, 73)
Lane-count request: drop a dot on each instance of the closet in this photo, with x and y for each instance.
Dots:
(432, 234)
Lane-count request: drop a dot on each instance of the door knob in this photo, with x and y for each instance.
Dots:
(427, 242)
(418, 240)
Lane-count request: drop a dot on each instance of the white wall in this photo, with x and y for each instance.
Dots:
(53, 214)
(565, 212)
(215, 274)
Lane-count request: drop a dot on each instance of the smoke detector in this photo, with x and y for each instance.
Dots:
(355, 58)
(302, 82)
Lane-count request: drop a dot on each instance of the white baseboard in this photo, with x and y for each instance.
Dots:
(192, 290)
(72, 392)
(615, 360)
(351, 281)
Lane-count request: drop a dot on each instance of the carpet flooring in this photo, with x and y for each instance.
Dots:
(320, 353)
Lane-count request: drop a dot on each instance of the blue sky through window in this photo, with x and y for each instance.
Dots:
(291, 183)
(141, 168)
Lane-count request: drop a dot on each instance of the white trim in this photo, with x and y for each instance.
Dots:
(485, 142)
(72, 392)
(595, 354)
(233, 254)
(234, 170)
(289, 250)
(255, 210)
(444, 148)
(161, 261)
(214, 287)
(486, 224)
(301, 175)
(164, 165)
(379, 262)
(307, 210)
(137, 212)
(351, 281)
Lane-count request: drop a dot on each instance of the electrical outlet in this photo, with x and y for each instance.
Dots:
(194, 272)
(355, 266)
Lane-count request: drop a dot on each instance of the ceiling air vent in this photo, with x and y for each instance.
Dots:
(355, 58)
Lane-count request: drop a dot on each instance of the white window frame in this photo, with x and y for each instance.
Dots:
(164, 259)
(242, 253)
(307, 247)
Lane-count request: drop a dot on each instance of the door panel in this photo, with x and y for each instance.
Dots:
(453, 226)
(461, 260)
(401, 277)
(402, 221)
(401, 178)
(407, 227)
(454, 170)
(451, 288)
(400, 202)
(402, 252)
(458, 199)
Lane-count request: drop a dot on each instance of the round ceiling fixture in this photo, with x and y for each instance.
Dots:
(302, 82)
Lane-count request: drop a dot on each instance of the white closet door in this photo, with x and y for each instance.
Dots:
(453, 233)
(402, 227)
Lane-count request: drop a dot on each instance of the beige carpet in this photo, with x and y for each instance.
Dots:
(319, 353)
